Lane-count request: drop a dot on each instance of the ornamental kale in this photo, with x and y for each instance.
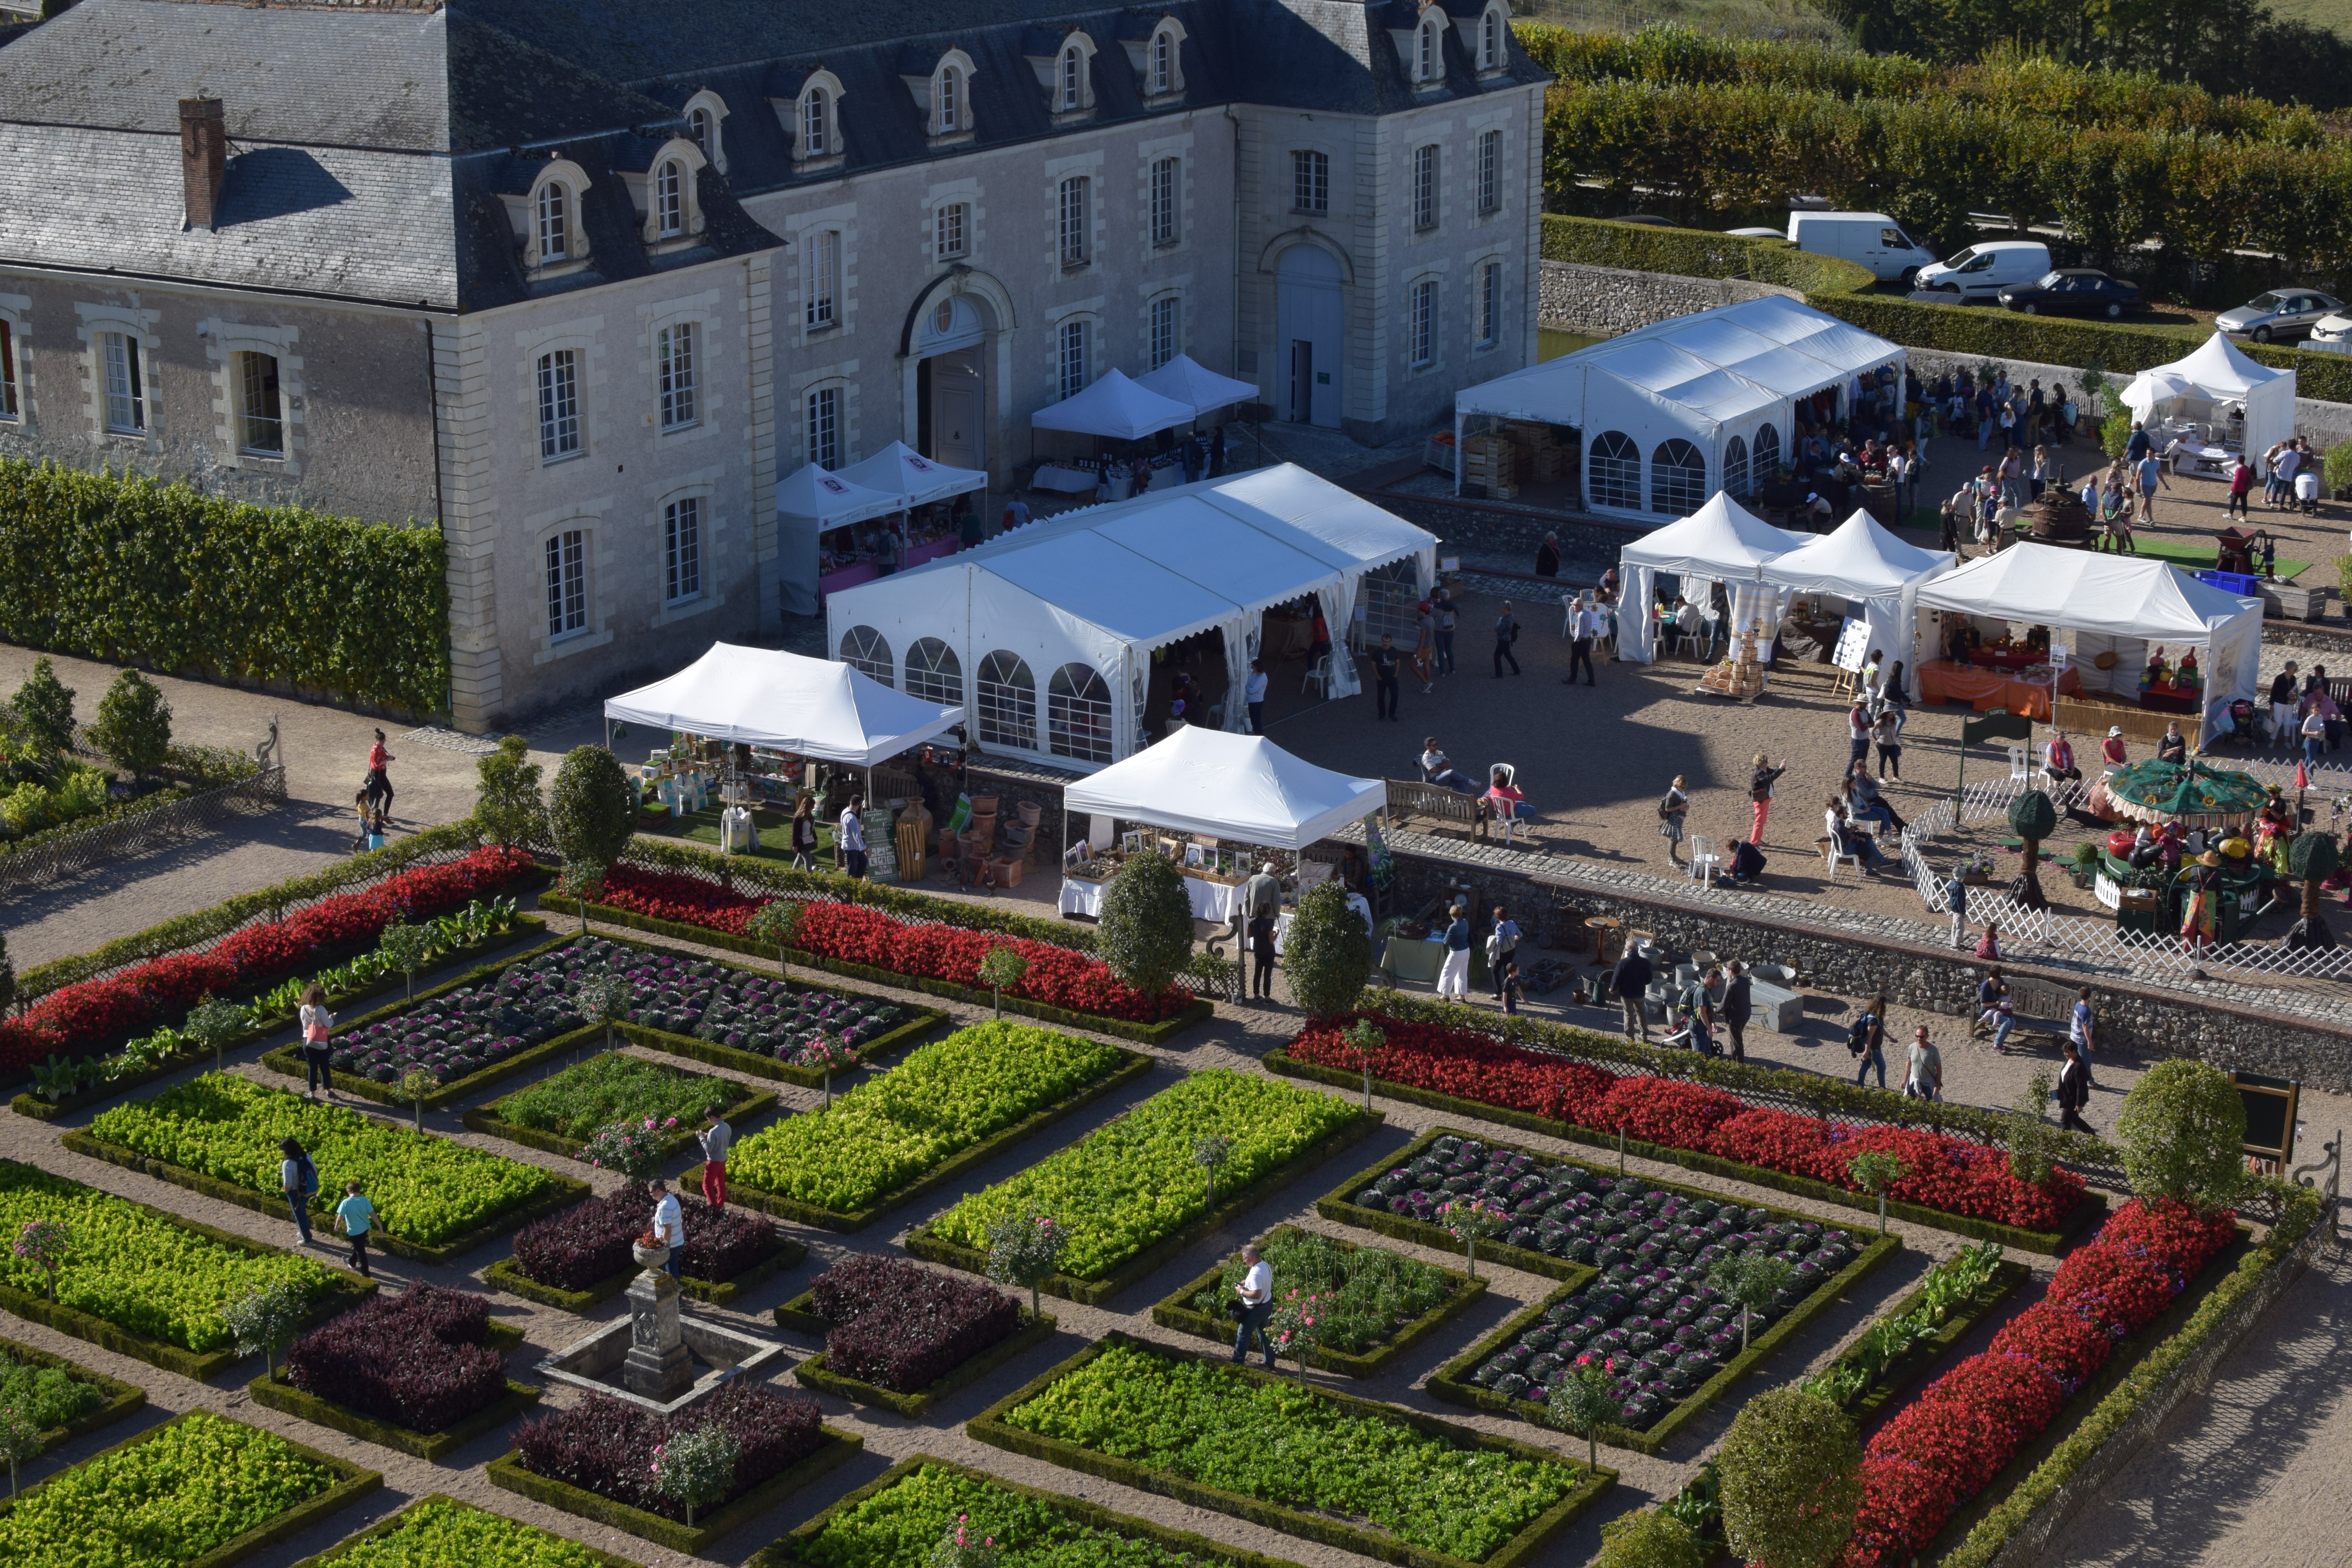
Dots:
(608, 1447)
(420, 1360)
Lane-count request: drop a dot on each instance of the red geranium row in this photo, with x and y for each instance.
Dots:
(1947, 1445)
(1941, 1173)
(99, 1015)
(683, 900)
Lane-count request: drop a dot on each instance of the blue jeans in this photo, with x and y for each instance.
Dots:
(671, 1266)
(301, 1215)
(1446, 653)
(2311, 745)
(2001, 1031)
(1871, 1058)
(1253, 1321)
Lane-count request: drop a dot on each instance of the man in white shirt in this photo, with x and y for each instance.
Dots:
(851, 837)
(669, 1225)
(1257, 1292)
(1254, 694)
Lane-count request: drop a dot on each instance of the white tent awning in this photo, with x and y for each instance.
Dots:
(1185, 379)
(1116, 407)
(831, 499)
(2122, 595)
(1235, 787)
(1721, 538)
(762, 697)
(915, 478)
(2218, 372)
(1858, 559)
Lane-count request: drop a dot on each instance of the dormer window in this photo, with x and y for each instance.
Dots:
(670, 200)
(813, 119)
(550, 231)
(553, 224)
(1490, 40)
(703, 129)
(816, 123)
(706, 118)
(1157, 58)
(1428, 51)
(1071, 95)
(947, 101)
(1163, 62)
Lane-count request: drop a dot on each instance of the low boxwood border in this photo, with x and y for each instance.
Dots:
(397, 1522)
(990, 1427)
(1032, 1333)
(353, 1483)
(785, 1550)
(1135, 1065)
(121, 1398)
(273, 1392)
(1912, 1364)
(486, 1119)
(1338, 1206)
(507, 1275)
(1175, 1311)
(566, 1192)
(934, 1248)
(834, 1448)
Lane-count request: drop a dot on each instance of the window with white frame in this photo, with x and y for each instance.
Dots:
(559, 405)
(953, 230)
(1163, 62)
(126, 382)
(703, 126)
(823, 424)
(933, 672)
(816, 123)
(1735, 469)
(11, 407)
(1167, 329)
(669, 199)
(674, 375)
(1073, 78)
(1490, 40)
(260, 417)
(1077, 714)
(947, 101)
(866, 649)
(682, 549)
(1310, 181)
(1424, 187)
(1766, 461)
(1420, 328)
(824, 277)
(1167, 186)
(1490, 304)
(1074, 221)
(1008, 703)
(567, 583)
(1613, 474)
(1490, 171)
(1677, 478)
(1428, 51)
(1070, 358)
(553, 226)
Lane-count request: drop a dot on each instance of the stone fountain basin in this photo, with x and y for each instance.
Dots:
(593, 1363)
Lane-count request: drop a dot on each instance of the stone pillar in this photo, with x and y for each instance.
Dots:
(657, 1366)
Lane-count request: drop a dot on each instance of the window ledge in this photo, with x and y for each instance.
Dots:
(819, 328)
(555, 270)
(827, 164)
(951, 139)
(561, 458)
(571, 643)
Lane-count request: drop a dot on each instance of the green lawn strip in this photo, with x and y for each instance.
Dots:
(275, 1392)
(832, 1539)
(1176, 1312)
(2201, 557)
(117, 1399)
(536, 1547)
(507, 1275)
(1308, 1520)
(774, 827)
(835, 1448)
(1906, 1368)
(749, 1105)
(2089, 1214)
(349, 1484)
(1033, 1332)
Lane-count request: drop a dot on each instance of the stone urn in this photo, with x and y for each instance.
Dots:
(650, 1254)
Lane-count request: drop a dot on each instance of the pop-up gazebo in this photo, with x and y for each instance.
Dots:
(1185, 379)
(807, 504)
(2218, 374)
(760, 697)
(1862, 562)
(1239, 787)
(1722, 541)
(1115, 406)
(917, 480)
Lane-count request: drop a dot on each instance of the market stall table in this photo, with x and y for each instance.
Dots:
(1940, 679)
(1211, 901)
(1065, 481)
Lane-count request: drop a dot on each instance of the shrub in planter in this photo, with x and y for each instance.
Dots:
(420, 1360)
(589, 1243)
(903, 1327)
(608, 1447)
(1328, 953)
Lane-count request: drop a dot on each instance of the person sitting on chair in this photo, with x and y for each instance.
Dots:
(1846, 841)
(1437, 768)
(2173, 747)
(1867, 803)
(2058, 758)
(1504, 802)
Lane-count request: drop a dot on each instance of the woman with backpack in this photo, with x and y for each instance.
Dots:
(1672, 808)
(317, 1053)
(1867, 1039)
(299, 1178)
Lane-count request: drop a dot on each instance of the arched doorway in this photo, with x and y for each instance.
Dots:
(951, 405)
(1308, 333)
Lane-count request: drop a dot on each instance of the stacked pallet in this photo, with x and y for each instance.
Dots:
(1489, 462)
(1539, 459)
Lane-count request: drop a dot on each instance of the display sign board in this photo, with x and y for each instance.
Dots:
(2270, 1105)
(1852, 645)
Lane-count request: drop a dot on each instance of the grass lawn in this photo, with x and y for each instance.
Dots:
(775, 828)
(1550, 343)
(2199, 557)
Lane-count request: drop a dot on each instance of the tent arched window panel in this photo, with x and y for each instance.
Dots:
(1077, 714)
(862, 648)
(1677, 478)
(1766, 461)
(1613, 471)
(1736, 482)
(934, 673)
(1008, 703)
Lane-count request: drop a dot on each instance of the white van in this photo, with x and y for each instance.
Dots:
(1873, 239)
(1983, 272)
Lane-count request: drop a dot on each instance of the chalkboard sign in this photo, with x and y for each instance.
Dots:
(2270, 1105)
(1852, 645)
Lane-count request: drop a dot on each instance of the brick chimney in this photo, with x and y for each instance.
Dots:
(203, 156)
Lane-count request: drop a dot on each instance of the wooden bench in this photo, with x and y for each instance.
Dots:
(1438, 803)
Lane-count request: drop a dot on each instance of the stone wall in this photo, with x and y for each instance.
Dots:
(1604, 302)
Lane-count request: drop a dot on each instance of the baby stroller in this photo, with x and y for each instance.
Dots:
(2242, 724)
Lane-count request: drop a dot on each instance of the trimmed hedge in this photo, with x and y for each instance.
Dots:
(399, 1521)
(506, 1275)
(121, 1398)
(275, 1392)
(1697, 253)
(836, 1448)
(1033, 1332)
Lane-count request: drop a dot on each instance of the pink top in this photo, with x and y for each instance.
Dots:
(377, 755)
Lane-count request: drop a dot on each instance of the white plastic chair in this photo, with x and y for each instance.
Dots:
(1705, 864)
(1835, 860)
(2019, 772)
(1500, 810)
(1568, 612)
(1318, 676)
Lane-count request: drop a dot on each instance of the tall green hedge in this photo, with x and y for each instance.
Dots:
(1697, 253)
(121, 568)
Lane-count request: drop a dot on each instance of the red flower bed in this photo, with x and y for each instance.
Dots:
(683, 900)
(1940, 1172)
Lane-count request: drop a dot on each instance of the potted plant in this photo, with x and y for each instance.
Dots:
(2086, 863)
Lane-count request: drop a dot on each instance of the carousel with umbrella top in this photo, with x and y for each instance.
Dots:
(2145, 869)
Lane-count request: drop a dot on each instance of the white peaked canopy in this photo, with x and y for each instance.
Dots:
(1204, 391)
(760, 697)
(2114, 603)
(1229, 786)
(807, 503)
(2216, 374)
(1862, 562)
(1114, 406)
(1721, 541)
(916, 478)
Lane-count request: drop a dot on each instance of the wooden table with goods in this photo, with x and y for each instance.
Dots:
(1942, 681)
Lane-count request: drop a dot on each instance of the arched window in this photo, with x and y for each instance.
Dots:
(862, 648)
(1735, 470)
(703, 126)
(669, 199)
(1677, 478)
(816, 124)
(1490, 40)
(1163, 62)
(1008, 703)
(1077, 714)
(1073, 80)
(1767, 462)
(947, 101)
(1428, 51)
(934, 673)
(554, 224)
(1613, 472)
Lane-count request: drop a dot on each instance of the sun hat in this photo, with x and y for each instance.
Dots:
(2209, 858)
(2115, 731)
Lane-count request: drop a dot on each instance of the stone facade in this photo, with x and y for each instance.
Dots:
(1606, 302)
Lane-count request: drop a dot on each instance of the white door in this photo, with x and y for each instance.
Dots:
(1307, 324)
(956, 410)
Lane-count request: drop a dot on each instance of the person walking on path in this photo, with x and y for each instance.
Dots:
(1424, 649)
(1588, 626)
(1630, 982)
(1257, 1294)
(1672, 808)
(1260, 944)
(1925, 1080)
(2073, 1092)
(1857, 733)
(1445, 619)
(298, 1176)
(716, 1140)
(1956, 899)
(1760, 794)
(1502, 942)
(1738, 1006)
(379, 782)
(2241, 481)
(2149, 471)
(669, 1224)
(1453, 980)
(804, 833)
(1385, 659)
(1886, 734)
(357, 1216)
(317, 1023)
(850, 837)
(1507, 632)
(2081, 1031)
(1867, 1039)
(1254, 695)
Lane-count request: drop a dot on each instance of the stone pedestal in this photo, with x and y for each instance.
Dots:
(657, 1366)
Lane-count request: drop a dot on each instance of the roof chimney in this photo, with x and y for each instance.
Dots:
(203, 156)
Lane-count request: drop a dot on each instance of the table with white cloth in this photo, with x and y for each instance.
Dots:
(1211, 901)
(1068, 481)
(1356, 902)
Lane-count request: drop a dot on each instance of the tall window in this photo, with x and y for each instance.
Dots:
(1008, 703)
(704, 129)
(674, 375)
(1077, 714)
(1426, 52)
(933, 673)
(1613, 472)
(1167, 329)
(1310, 181)
(947, 101)
(1765, 462)
(1073, 221)
(816, 140)
(554, 224)
(1735, 469)
(1166, 182)
(567, 583)
(1490, 40)
(1490, 303)
(260, 423)
(1424, 187)
(559, 405)
(1420, 329)
(1071, 359)
(682, 549)
(1490, 170)
(670, 200)
(9, 408)
(823, 267)
(1677, 478)
(126, 386)
(954, 230)
(1074, 77)
(1163, 62)
(864, 648)
(824, 427)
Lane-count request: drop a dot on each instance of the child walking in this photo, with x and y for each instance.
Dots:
(357, 1216)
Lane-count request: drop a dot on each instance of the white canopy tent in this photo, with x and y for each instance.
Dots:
(1113, 405)
(2216, 375)
(807, 503)
(762, 697)
(916, 479)
(1722, 541)
(1046, 634)
(1862, 562)
(1241, 787)
(1678, 411)
(2113, 603)
(1185, 379)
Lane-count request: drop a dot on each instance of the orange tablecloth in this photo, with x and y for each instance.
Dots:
(1982, 689)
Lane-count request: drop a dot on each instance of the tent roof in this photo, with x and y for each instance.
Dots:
(1859, 560)
(1204, 391)
(2217, 367)
(2085, 591)
(1114, 406)
(1231, 787)
(1721, 538)
(831, 499)
(916, 479)
(765, 698)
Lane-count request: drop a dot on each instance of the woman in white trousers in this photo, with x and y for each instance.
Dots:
(1453, 980)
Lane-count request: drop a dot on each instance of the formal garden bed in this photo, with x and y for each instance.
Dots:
(1918, 1331)
(577, 1258)
(949, 1108)
(1132, 1194)
(439, 1532)
(62, 1399)
(902, 1337)
(563, 1112)
(1367, 1477)
(1374, 1304)
(219, 1135)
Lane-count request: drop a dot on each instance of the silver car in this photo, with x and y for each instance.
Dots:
(2333, 335)
(2281, 313)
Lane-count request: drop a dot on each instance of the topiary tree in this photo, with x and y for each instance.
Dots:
(696, 1469)
(266, 1319)
(603, 998)
(1327, 954)
(2033, 1144)
(1876, 1174)
(2183, 1134)
(2033, 819)
(589, 817)
(1001, 966)
(214, 1023)
(2311, 856)
(1209, 1152)
(1146, 933)
(134, 729)
(20, 1438)
(1024, 1252)
(1467, 1218)
(45, 708)
(1583, 1400)
(1370, 1040)
(776, 923)
(407, 948)
(416, 1085)
(1649, 1538)
(44, 1243)
(1791, 1470)
(1753, 1281)
(507, 804)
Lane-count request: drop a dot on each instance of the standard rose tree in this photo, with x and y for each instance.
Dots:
(1024, 1252)
(1792, 1480)
(1583, 1400)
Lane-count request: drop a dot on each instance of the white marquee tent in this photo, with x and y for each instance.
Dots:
(2114, 603)
(1862, 562)
(760, 697)
(1239, 787)
(1115, 406)
(1204, 391)
(2216, 375)
(1044, 635)
(1675, 412)
(807, 503)
(917, 480)
(1722, 541)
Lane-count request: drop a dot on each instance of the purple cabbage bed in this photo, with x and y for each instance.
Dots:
(462, 1031)
(901, 1327)
(749, 1012)
(419, 1359)
(589, 1243)
(605, 1446)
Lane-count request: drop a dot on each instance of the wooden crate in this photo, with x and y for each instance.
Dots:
(1490, 462)
(2289, 601)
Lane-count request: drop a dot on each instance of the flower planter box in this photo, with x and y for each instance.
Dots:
(343, 1549)
(753, 1104)
(836, 1448)
(121, 1398)
(1034, 1331)
(273, 1391)
(507, 1275)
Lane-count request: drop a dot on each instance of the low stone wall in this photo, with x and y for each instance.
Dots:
(1504, 533)
(1605, 301)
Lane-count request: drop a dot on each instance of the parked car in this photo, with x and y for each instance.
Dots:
(2332, 335)
(1872, 239)
(2281, 313)
(2074, 292)
(1983, 272)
